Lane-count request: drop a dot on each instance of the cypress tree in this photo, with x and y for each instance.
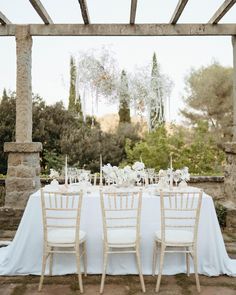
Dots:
(74, 106)
(4, 94)
(156, 115)
(124, 109)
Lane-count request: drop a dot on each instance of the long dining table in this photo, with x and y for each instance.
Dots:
(24, 255)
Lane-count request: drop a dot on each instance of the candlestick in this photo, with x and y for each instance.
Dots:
(100, 170)
(171, 172)
(66, 174)
(95, 179)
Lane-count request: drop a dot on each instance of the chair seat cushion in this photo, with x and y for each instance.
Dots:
(176, 236)
(64, 236)
(121, 237)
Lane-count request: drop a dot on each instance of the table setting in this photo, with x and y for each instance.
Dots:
(15, 259)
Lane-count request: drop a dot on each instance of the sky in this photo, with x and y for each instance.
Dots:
(176, 55)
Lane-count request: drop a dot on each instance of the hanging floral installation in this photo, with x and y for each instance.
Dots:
(98, 77)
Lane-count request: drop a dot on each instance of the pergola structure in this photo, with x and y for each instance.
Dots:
(23, 155)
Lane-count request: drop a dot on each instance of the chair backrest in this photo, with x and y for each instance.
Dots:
(121, 210)
(61, 210)
(180, 210)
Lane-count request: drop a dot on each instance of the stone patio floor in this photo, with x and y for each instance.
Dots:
(117, 285)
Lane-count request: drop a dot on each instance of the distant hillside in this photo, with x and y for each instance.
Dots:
(109, 123)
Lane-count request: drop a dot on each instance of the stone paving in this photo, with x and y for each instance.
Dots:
(117, 285)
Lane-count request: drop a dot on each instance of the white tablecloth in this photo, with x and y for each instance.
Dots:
(24, 254)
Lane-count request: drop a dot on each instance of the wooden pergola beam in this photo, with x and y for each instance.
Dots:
(221, 11)
(3, 19)
(42, 12)
(124, 30)
(84, 11)
(178, 11)
(133, 11)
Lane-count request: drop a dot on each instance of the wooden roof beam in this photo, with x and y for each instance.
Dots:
(42, 12)
(133, 11)
(222, 10)
(84, 11)
(3, 19)
(178, 11)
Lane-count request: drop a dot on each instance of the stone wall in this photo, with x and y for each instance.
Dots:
(230, 171)
(9, 221)
(211, 185)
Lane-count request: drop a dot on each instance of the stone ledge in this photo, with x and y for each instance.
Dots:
(22, 147)
(195, 179)
(230, 147)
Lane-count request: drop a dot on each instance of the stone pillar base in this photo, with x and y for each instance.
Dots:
(23, 173)
(230, 172)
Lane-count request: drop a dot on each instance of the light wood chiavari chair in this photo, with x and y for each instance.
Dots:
(121, 226)
(61, 226)
(180, 213)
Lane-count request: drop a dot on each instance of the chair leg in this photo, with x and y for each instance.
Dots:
(105, 259)
(195, 262)
(140, 269)
(154, 259)
(160, 266)
(79, 271)
(85, 257)
(187, 262)
(43, 271)
(51, 264)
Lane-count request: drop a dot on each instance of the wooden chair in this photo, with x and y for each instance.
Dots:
(121, 226)
(61, 226)
(179, 229)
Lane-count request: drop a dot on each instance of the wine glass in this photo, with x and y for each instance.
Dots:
(176, 177)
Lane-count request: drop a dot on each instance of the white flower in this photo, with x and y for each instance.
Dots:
(162, 173)
(53, 174)
(138, 166)
(185, 174)
(127, 169)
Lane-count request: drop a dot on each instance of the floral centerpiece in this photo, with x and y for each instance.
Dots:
(184, 177)
(54, 175)
(179, 176)
(124, 176)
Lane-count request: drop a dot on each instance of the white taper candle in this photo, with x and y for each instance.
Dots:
(100, 170)
(66, 175)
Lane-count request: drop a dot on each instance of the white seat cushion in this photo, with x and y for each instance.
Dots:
(121, 237)
(176, 236)
(64, 236)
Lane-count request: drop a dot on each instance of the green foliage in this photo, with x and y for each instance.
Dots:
(154, 150)
(85, 144)
(221, 213)
(61, 133)
(53, 160)
(7, 125)
(195, 149)
(124, 110)
(209, 98)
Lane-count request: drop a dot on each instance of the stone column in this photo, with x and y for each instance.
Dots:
(234, 87)
(230, 147)
(23, 155)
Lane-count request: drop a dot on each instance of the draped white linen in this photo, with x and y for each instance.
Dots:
(24, 255)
